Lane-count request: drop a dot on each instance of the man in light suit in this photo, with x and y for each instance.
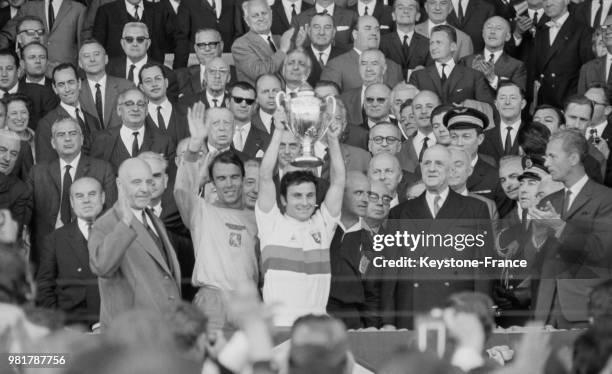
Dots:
(453, 83)
(130, 252)
(493, 62)
(99, 91)
(572, 232)
(344, 69)
(438, 12)
(258, 51)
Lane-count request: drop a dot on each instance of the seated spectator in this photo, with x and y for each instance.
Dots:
(437, 124)
(377, 105)
(510, 169)
(550, 117)
(14, 193)
(295, 71)
(216, 76)
(406, 121)
(247, 138)
(18, 109)
(34, 64)
(385, 168)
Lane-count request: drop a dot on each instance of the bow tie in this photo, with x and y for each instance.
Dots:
(553, 24)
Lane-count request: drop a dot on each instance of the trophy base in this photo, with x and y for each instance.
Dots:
(307, 162)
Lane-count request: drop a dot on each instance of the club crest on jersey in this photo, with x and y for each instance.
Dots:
(316, 236)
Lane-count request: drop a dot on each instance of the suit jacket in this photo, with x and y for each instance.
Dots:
(256, 142)
(506, 68)
(462, 83)
(117, 68)
(382, 12)
(356, 136)
(392, 47)
(584, 14)
(46, 185)
(484, 181)
(114, 86)
(355, 159)
(66, 35)
(606, 136)
(558, 66)
(407, 156)
(504, 9)
(280, 23)
(5, 15)
(493, 144)
(111, 17)
(354, 107)
(257, 123)
(593, 71)
(579, 259)
(344, 19)
(344, 70)
(474, 17)
(108, 145)
(44, 151)
(196, 14)
(408, 291)
(43, 100)
(317, 68)
(176, 129)
(186, 101)
(64, 278)
(254, 57)
(464, 42)
(189, 80)
(132, 272)
(16, 197)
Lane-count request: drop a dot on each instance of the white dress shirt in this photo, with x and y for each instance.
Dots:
(503, 127)
(240, 136)
(218, 4)
(329, 9)
(401, 36)
(56, 7)
(14, 11)
(156, 209)
(127, 137)
(92, 87)
(288, 9)
(448, 69)
(496, 55)
(137, 66)
(202, 73)
(219, 99)
(605, 10)
(72, 110)
(575, 189)
(132, 9)
(166, 112)
(361, 7)
(554, 31)
(539, 13)
(431, 197)
(266, 36)
(418, 139)
(464, 5)
(138, 216)
(73, 166)
(13, 90)
(175, 4)
(42, 82)
(325, 56)
(431, 25)
(267, 120)
(83, 227)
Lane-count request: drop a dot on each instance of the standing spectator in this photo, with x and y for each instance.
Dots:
(267, 86)
(296, 69)
(510, 168)
(385, 167)
(216, 77)
(283, 13)
(248, 139)
(377, 9)
(599, 128)
(470, 16)
(379, 204)
(377, 105)
(595, 70)
(321, 32)
(34, 63)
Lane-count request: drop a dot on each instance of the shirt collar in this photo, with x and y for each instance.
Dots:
(419, 136)
(356, 227)
(131, 6)
(41, 82)
(325, 52)
(515, 125)
(153, 107)
(496, 55)
(71, 109)
(330, 8)
(450, 65)
(474, 161)
(244, 128)
(83, 226)
(463, 192)
(430, 25)
(156, 208)
(266, 119)
(101, 82)
(73, 164)
(561, 20)
(577, 187)
(126, 132)
(401, 35)
(137, 64)
(430, 196)
(212, 148)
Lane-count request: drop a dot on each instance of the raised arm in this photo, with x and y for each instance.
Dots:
(267, 190)
(333, 198)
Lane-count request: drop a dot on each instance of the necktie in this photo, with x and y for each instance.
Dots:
(492, 58)
(566, 203)
(272, 126)
(321, 59)
(154, 236)
(65, 204)
(508, 141)
(365, 11)
(293, 13)
(135, 144)
(406, 48)
(592, 135)
(84, 128)
(423, 148)
(51, 15)
(271, 44)
(535, 19)
(130, 76)
(460, 15)
(214, 6)
(437, 205)
(443, 78)
(597, 19)
(609, 80)
(160, 119)
(136, 13)
(524, 219)
(238, 141)
(89, 226)
(215, 103)
(99, 104)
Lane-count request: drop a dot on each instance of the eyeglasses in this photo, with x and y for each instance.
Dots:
(239, 100)
(139, 39)
(380, 100)
(33, 32)
(373, 197)
(208, 45)
(140, 104)
(389, 139)
(217, 71)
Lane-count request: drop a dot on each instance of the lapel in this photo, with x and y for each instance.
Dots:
(352, 254)
(280, 12)
(109, 97)
(583, 197)
(588, 12)
(564, 34)
(467, 13)
(86, 99)
(450, 208)
(56, 175)
(62, 13)
(258, 40)
(168, 248)
(121, 66)
(600, 67)
(114, 138)
(209, 7)
(146, 242)
(453, 79)
(83, 167)
(477, 174)
(76, 238)
(149, 138)
(435, 78)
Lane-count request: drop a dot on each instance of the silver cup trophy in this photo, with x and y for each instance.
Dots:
(308, 118)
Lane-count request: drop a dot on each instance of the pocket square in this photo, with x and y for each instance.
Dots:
(259, 154)
(384, 27)
(342, 28)
(459, 89)
(482, 191)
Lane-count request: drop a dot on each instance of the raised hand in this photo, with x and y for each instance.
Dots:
(280, 119)
(301, 37)
(123, 205)
(522, 24)
(196, 119)
(285, 42)
(334, 130)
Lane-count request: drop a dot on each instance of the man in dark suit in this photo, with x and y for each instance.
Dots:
(112, 17)
(216, 77)
(134, 136)
(442, 211)
(135, 43)
(451, 82)
(593, 13)
(562, 49)
(267, 86)
(572, 233)
(493, 62)
(247, 138)
(99, 92)
(14, 193)
(321, 33)
(166, 117)
(599, 131)
(594, 71)
(344, 20)
(64, 278)
(34, 63)
(502, 140)
(67, 86)
(130, 252)
(404, 46)
(377, 105)
(283, 12)
(376, 9)
(469, 16)
(50, 182)
(194, 15)
(344, 69)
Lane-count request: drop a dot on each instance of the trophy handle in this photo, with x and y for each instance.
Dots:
(329, 100)
(280, 99)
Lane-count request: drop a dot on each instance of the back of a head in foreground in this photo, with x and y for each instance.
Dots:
(138, 328)
(406, 361)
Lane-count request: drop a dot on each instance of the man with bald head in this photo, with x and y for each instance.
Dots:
(493, 62)
(438, 211)
(344, 69)
(378, 207)
(64, 257)
(353, 297)
(134, 136)
(385, 168)
(130, 252)
(220, 121)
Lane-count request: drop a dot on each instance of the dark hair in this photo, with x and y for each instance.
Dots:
(91, 41)
(27, 18)
(557, 111)
(22, 49)
(150, 65)
(449, 30)
(405, 104)
(325, 83)
(508, 83)
(324, 14)
(476, 303)
(440, 109)
(10, 53)
(15, 276)
(64, 66)
(533, 138)
(243, 86)
(227, 157)
(600, 301)
(579, 100)
(294, 178)
(7, 99)
(188, 323)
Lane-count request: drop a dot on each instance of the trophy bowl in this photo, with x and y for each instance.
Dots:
(308, 119)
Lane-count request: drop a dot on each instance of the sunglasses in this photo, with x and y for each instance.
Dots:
(207, 45)
(239, 100)
(139, 39)
(380, 100)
